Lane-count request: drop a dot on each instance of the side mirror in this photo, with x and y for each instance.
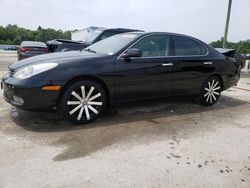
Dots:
(133, 52)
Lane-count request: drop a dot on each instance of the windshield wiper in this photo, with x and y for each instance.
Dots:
(89, 50)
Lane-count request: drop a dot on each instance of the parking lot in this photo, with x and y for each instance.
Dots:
(172, 142)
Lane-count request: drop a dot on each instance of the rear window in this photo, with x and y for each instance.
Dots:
(185, 46)
(33, 44)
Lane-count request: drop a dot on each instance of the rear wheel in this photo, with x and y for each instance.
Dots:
(210, 91)
(83, 102)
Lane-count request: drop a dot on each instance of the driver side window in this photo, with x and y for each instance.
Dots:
(153, 46)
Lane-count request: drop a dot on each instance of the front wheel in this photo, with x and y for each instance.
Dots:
(83, 102)
(210, 91)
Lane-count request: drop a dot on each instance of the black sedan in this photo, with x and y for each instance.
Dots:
(124, 67)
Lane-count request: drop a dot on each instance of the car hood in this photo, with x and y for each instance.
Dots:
(58, 57)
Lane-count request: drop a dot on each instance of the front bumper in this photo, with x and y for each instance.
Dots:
(34, 98)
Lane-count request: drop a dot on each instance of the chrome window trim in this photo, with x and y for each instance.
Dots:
(169, 34)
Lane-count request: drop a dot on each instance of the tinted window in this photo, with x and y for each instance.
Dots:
(151, 46)
(186, 46)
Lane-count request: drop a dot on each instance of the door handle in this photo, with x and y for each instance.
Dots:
(167, 64)
(208, 63)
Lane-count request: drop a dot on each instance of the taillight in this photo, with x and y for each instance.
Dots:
(23, 49)
(46, 49)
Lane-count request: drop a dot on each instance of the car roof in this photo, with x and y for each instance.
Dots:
(34, 44)
(166, 33)
(161, 32)
(122, 30)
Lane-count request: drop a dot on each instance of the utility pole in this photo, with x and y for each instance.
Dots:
(227, 23)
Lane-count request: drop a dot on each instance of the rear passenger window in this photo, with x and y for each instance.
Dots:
(185, 46)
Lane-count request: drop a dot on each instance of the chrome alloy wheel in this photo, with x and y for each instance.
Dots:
(212, 91)
(84, 103)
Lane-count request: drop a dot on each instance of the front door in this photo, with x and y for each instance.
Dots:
(148, 76)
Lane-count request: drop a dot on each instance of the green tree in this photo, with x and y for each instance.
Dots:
(241, 46)
(12, 34)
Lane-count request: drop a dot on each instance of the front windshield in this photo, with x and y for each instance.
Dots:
(112, 44)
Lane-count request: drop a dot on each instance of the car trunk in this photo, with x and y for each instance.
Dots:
(34, 50)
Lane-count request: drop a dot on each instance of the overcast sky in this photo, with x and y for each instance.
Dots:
(204, 19)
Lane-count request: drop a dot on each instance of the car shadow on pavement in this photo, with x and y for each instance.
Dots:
(123, 113)
(141, 122)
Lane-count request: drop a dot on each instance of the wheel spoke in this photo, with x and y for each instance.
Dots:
(211, 99)
(207, 89)
(206, 94)
(209, 85)
(90, 92)
(215, 84)
(87, 112)
(95, 96)
(93, 109)
(73, 102)
(216, 88)
(216, 93)
(213, 96)
(212, 84)
(75, 109)
(83, 92)
(95, 103)
(80, 114)
(76, 95)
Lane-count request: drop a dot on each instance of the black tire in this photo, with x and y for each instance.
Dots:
(89, 108)
(210, 91)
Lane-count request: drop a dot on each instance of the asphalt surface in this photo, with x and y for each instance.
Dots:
(172, 142)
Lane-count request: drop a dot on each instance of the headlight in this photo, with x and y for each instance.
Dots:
(32, 70)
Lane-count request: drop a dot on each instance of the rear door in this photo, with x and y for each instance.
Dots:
(147, 76)
(193, 65)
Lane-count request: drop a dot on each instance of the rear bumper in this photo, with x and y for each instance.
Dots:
(231, 81)
(27, 55)
(33, 97)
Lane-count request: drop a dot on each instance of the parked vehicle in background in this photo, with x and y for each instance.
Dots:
(31, 48)
(63, 45)
(7, 47)
(125, 67)
(231, 53)
(241, 59)
(247, 56)
(83, 38)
